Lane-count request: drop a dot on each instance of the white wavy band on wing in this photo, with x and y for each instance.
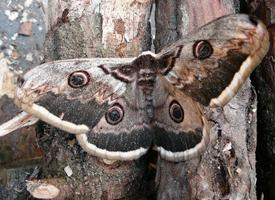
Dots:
(246, 68)
(44, 115)
(190, 153)
(110, 155)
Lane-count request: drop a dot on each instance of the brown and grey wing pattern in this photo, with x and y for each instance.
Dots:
(180, 129)
(73, 89)
(87, 92)
(118, 108)
(211, 64)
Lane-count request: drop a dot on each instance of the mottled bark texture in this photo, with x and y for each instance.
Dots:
(97, 28)
(264, 81)
(19, 151)
(227, 169)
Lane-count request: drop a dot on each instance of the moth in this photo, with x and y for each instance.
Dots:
(119, 108)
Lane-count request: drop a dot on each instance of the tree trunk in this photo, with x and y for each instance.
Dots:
(264, 82)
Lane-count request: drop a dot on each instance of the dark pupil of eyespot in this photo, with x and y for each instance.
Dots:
(114, 115)
(204, 51)
(77, 80)
(177, 112)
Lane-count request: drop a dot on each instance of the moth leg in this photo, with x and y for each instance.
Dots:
(254, 59)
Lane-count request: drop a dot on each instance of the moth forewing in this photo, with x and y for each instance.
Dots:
(215, 60)
(253, 60)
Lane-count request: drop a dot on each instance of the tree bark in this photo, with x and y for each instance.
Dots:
(264, 82)
(23, 52)
(22, 47)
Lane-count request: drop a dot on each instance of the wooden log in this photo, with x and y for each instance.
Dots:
(53, 188)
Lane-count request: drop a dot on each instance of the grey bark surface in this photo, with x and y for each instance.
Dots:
(264, 82)
(19, 152)
(22, 52)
